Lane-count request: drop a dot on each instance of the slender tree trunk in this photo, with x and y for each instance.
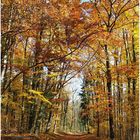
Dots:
(108, 74)
(119, 124)
(97, 113)
(133, 88)
(128, 129)
(98, 124)
(49, 120)
(23, 90)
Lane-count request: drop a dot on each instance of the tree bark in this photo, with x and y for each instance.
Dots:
(108, 75)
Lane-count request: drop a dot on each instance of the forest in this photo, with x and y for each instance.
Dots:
(70, 69)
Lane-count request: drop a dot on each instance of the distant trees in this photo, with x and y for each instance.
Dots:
(85, 100)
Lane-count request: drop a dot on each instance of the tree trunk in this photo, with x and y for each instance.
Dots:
(133, 88)
(23, 90)
(108, 74)
(49, 120)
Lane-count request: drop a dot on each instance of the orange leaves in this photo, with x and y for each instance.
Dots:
(75, 13)
(131, 71)
(103, 36)
(95, 17)
(100, 107)
(115, 41)
(112, 39)
(64, 12)
(29, 2)
(87, 5)
(52, 11)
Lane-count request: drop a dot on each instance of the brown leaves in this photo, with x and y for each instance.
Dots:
(130, 71)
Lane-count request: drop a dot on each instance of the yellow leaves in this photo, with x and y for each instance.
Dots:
(28, 2)
(17, 84)
(5, 99)
(7, 2)
(19, 49)
(115, 56)
(52, 75)
(8, 101)
(36, 95)
(23, 94)
(38, 72)
(57, 118)
(73, 58)
(35, 92)
(39, 96)
(88, 89)
(64, 11)
(14, 105)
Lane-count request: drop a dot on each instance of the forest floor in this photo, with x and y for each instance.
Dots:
(73, 137)
(53, 136)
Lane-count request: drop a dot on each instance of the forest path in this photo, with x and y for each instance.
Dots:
(72, 137)
(53, 136)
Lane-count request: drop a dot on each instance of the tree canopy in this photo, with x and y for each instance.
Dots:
(47, 43)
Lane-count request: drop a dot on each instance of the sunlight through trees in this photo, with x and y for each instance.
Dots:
(47, 44)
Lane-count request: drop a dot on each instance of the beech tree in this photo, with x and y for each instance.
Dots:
(46, 44)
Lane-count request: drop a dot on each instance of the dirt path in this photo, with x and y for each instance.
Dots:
(86, 137)
(53, 137)
(72, 137)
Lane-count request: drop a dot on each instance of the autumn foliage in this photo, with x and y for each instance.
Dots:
(47, 43)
